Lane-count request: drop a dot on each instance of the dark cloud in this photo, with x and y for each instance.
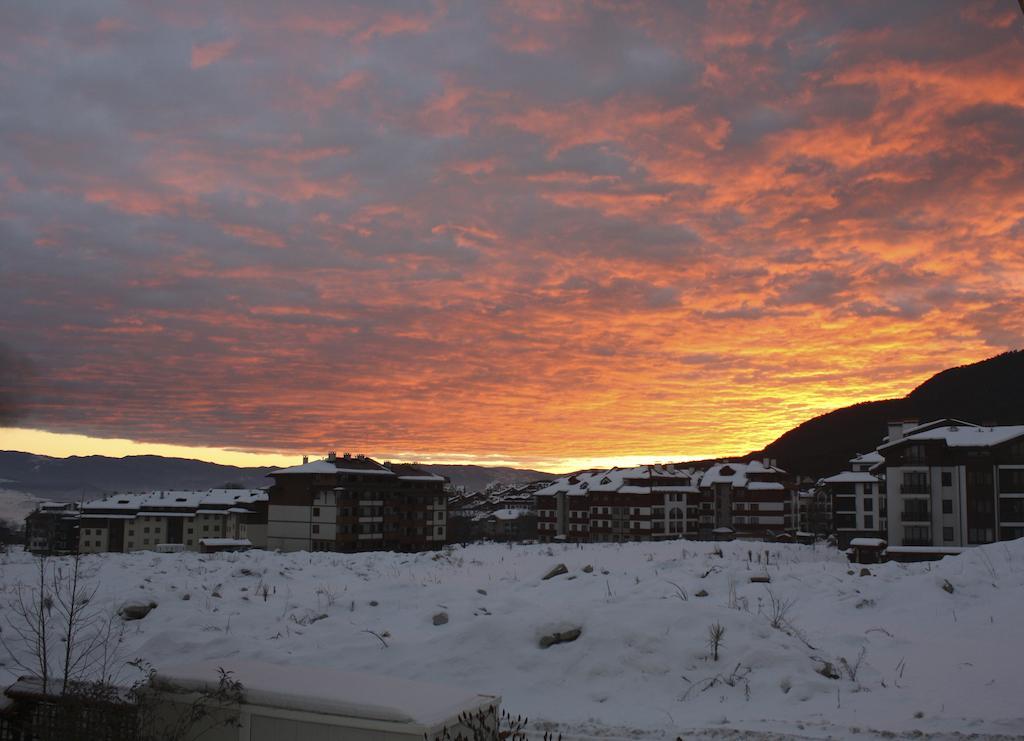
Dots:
(418, 224)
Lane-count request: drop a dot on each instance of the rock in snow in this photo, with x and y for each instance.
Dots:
(565, 636)
(557, 571)
(135, 610)
(441, 618)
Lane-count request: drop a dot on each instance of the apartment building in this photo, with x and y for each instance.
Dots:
(353, 503)
(951, 483)
(52, 529)
(754, 499)
(121, 523)
(651, 502)
(859, 503)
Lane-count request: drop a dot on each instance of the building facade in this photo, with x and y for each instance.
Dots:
(353, 503)
(52, 529)
(859, 502)
(122, 523)
(652, 502)
(951, 483)
(754, 499)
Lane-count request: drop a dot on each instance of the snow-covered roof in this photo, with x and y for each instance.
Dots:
(873, 457)
(656, 478)
(322, 690)
(173, 503)
(737, 474)
(509, 513)
(852, 477)
(224, 542)
(311, 467)
(867, 543)
(960, 436)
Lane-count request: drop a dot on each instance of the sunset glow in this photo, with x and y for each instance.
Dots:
(551, 234)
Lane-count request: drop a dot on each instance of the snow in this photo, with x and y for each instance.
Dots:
(509, 514)
(223, 542)
(852, 477)
(867, 542)
(934, 662)
(319, 690)
(960, 436)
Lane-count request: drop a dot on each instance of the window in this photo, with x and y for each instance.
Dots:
(316, 511)
(947, 506)
(914, 453)
(914, 482)
(190, 531)
(869, 522)
(869, 505)
(947, 534)
(980, 535)
(206, 528)
(145, 529)
(916, 535)
(316, 529)
(947, 478)
(145, 541)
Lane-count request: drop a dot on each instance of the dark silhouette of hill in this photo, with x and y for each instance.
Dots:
(76, 477)
(90, 476)
(988, 392)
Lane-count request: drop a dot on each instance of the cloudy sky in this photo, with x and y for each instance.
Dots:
(548, 233)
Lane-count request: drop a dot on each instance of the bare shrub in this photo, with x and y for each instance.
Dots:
(778, 610)
(680, 592)
(716, 634)
(55, 633)
(327, 595)
(852, 669)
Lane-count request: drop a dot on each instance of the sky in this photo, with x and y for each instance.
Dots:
(549, 234)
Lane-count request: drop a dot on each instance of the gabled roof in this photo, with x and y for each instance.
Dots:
(737, 474)
(958, 436)
(852, 477)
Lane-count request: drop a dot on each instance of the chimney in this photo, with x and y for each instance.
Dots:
(895, 431)
(332, 456)
(305, 459)
(347, 455)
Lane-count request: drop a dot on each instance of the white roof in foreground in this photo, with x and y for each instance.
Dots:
(958, 436)
(320, 690)
(867, 543)
(852, 477)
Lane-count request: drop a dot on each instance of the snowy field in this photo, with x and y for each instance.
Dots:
(910, 658)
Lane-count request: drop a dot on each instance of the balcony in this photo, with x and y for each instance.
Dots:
(915, 489)
(916, 515)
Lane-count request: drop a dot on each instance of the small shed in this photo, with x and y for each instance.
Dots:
(911, 553)
(723, 533)
(218, 545)
(321, 704)
(866, 550)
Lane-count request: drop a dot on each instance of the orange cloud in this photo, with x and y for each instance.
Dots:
(204, 55)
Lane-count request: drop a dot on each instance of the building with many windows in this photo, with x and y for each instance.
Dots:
(121, 523)
(754, 499)
(354, 503)
(653, 502)
(859, 504)
(52, 529)
(951, 483)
